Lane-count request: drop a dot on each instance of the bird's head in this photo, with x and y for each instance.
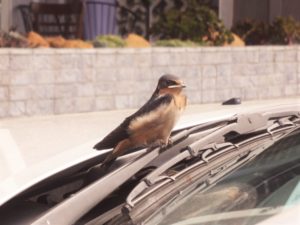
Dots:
(169, 82)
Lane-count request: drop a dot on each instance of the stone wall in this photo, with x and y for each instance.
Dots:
(56, 81)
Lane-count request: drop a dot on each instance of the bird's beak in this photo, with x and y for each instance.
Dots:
(182, 85)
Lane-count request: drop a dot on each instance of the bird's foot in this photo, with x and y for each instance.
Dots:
(170, 142)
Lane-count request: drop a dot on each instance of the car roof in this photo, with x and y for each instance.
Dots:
(33, 149)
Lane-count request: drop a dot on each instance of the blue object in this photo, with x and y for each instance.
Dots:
(99, 18)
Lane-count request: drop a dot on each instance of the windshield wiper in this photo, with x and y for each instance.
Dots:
(215, 161)
(189, 143)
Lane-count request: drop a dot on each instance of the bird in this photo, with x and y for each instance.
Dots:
(152, 124)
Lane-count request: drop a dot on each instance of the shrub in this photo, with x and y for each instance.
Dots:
(110, 41)
(283, 30)
(195, 22)
(253, 32)
(176, 43)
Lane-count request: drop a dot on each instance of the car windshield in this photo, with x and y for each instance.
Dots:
(254, 192)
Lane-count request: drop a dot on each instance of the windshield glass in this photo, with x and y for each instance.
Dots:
(256, 191)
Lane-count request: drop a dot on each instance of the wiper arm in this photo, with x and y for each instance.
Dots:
(226, 153)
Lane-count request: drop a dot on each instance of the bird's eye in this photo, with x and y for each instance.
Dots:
(171, 82)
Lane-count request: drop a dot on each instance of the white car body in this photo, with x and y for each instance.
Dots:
(32, 149)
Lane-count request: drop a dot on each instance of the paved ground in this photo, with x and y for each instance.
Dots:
(35, 137)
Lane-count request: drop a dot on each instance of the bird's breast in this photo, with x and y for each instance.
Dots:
(156, 124)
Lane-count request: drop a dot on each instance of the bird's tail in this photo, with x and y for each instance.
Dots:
(118, 150)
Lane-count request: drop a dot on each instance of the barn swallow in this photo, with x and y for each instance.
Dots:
(151, 124)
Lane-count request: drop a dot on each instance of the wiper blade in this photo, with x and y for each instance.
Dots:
(228, 156)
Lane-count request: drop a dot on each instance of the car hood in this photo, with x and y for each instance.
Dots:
(32, 149)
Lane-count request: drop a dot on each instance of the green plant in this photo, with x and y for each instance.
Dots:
(196, 22)
(253, 32)
(283, 30)
(176, 43)
(110, 41)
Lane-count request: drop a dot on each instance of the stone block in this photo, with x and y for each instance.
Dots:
(144, 73)
(239, 81)
(247, 56)
(209, 71)
(178, 58)
(64, 105)
(67, 76)
(106, 74)
(276, 91)
(42, 91)
(5, 77)
(249, 69)
(87, 75)
(264, 68)
(17, 108)
(4, 93)
(20, 92)
(126, 73)
(193, 97)
(158, 71)
(207, 58)
(142, 87)
(161, 59)
(224, 81)
(237, 93)
(45, 76)
(70, 61)
(4, 62)
(22, 77)
(192, 58)
(125, 60)
(47, 62)
(21, 62)
(290, 90)
(88, 61)
(85, 104)
(105, 88)
(208, 96)
(143, 59)
(194, 72)
(250, 93)
(223, 70)
(4, 109)
(223, 94)
(286, 55)
(125, 87)
(208, 83)
(105, 103)
(193, 84)
(40, 107)
(266, 56)
(105, 60)
(65, 91)
(85, 90)
(122, 102)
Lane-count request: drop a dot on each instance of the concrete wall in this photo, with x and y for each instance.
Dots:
(54, 81)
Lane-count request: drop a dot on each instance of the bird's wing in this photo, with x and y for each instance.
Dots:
(113, 138)
(121, 132)
(152, 104)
